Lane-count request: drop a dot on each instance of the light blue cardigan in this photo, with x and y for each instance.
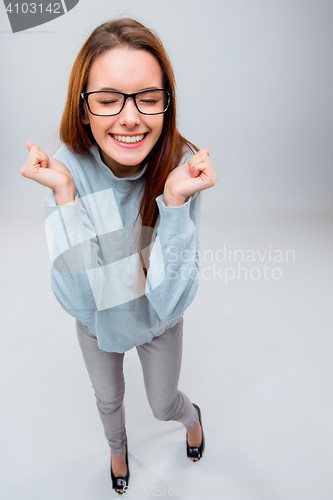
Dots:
(97, 272)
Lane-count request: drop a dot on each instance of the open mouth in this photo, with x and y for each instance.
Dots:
(127, 139)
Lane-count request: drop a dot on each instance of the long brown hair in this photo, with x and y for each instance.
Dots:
(170, 146)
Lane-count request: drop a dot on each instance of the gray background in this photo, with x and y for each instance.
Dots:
(254, 84)
(268, 62)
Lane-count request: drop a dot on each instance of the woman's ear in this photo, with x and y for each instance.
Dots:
(85, 115)
(85, 118)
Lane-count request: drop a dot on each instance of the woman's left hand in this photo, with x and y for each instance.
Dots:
(183, 181)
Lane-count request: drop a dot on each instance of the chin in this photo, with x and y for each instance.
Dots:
(129, 157)
(129, 161)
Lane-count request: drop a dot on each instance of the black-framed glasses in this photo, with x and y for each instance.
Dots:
(111, 103)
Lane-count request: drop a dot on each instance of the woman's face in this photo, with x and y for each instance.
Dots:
(125, 70)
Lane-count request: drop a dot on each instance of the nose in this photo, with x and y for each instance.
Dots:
(129, 116)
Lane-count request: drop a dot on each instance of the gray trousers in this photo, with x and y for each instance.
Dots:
(160, 360)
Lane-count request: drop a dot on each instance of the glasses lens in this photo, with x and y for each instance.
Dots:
(105, 103)
(152, 102)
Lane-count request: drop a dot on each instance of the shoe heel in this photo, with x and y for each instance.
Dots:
(193, 452)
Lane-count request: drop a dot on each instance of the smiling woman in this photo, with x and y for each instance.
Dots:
(129, 71)
(124, 166)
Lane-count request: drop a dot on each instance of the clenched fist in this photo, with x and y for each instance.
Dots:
(50, 173)
(187, 179)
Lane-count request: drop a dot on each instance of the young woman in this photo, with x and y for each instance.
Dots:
(122, 225)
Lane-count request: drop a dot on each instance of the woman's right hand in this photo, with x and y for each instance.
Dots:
(46, 171)
(50, 173)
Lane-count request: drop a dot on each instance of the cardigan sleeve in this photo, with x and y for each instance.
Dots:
(73, 249)
(173, 274)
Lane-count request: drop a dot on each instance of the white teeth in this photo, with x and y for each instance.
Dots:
(128, 139)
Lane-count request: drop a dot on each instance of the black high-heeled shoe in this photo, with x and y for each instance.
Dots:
(193, 452)
(120, 483)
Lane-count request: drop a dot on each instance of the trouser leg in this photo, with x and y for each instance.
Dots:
(105, 370)
(161, 361)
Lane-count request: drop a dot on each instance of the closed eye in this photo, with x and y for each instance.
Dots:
(108, 102)
(149, 101)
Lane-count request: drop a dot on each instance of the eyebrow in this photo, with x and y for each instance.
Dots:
(116, 90)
